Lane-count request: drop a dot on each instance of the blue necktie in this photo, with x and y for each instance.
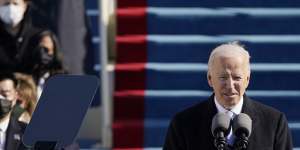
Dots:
(230, 137)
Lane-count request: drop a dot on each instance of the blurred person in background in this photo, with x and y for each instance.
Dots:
(49, 60)
(11, 130)
(69, 21)
(20, 40)
(27, 97)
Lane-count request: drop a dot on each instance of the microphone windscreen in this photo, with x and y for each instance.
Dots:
(242, 123)
(220, 122)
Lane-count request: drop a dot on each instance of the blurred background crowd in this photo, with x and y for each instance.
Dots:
(39, 39)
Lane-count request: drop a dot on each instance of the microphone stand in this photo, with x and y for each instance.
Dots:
(220, 141)
(241, 142)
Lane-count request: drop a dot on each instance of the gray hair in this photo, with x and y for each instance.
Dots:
(219, 50)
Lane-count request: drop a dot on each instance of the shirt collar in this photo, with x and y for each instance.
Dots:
(4, 124)
(237, 109)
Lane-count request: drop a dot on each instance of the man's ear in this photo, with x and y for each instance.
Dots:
(248, 80)
(209, 79)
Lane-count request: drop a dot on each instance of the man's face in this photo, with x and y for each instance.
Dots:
(8, 90)
(12, 12)
(229, 78)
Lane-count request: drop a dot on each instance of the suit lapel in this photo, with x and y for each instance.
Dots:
(13, 135)
(249, 109)
(212, 109)
(209, 113)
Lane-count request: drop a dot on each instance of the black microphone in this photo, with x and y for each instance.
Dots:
(242, 126)
(219, 129)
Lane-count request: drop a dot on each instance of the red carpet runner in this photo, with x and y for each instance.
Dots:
(130, 75)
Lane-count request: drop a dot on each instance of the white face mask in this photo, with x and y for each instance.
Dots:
(12, 14)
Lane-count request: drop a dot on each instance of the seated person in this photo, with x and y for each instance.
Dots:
(11, 130)
(49, 58)
(20, 40)
(27, 97)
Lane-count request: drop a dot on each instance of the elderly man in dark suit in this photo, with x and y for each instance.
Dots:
(229, 75)
(11, 130)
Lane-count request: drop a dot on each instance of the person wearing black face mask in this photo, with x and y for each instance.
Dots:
(19, 37)
(5, 106)
(10, 128)
(48, 58)
(45, 58)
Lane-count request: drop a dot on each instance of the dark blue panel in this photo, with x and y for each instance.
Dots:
(92, 55)
(166, 107)
(155, 132)
(288, 105)
(51, 120)
(218, 3)
(213, 25)
(296, 137)
(187, 80)
(91, 4)
(179, 80)
(199, 52)
(96, 53)
(94, 25)
(178, 52)
(274, 81)
(274, 52)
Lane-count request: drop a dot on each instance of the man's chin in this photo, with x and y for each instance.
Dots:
(231, 101)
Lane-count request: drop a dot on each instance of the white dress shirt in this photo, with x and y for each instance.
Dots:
(41, 84)
(237, 109)
(3, 129)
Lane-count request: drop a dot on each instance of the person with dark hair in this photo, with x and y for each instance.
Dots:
(49, 60)
(11, 130)
(20, 40)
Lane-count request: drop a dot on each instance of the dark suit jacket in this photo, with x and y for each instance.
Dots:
(191, 128)
(14, 135)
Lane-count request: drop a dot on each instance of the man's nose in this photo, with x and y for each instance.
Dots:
(229, 83)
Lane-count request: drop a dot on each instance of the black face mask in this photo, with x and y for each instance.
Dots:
(44, 58)
(5, 107)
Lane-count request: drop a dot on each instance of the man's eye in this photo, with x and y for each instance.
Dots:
(223, 78)
(237, 78)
